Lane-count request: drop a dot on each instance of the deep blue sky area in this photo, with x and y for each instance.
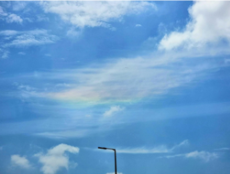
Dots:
(150, 79)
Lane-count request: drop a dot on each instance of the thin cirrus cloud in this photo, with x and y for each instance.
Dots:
(56, 158)
(27, 38)
(201, 155)
(93, 14)
(20, 161)
(157, 149)
(112, 111)
(198, 33)
(121, 80)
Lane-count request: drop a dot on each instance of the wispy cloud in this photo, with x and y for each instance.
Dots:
(27, 38)
(10, 17)
(76, 133)
(20, 161)
(56, 158)
(138, 25)
(198, 33)
(157, 149)
(93, 14)
(223, 149)
(202, 155)
(112, 110)
(4, 53)
(121, 80)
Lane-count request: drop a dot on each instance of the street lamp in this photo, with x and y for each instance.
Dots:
(115, 156)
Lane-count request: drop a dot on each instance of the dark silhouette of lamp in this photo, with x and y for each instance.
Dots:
(115, 156)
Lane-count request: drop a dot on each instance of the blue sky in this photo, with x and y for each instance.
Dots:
(150, 79)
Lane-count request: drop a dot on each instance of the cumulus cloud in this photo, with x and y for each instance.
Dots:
(93, 14)
(112, 110)
(209, 24)
(27, 38)
(202, 155)
(157, 149)
(20, 161)
(10, 17)
(14, 18)
(56, 158)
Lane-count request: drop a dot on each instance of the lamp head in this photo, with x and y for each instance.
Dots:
(104, 148)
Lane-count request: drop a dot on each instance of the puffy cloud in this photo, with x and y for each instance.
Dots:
(10, 17)
(112, 110)
(20, 161)
(209, 24)
(92, 14)
(14, 18)
(56, 158)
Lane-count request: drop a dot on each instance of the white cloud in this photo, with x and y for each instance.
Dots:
(73, 33)
(77, 133)
(138, 25)
(10, 17)
(127, 80)
(93, 14)
(21, 53)
(157, 149)
(113, 110)
(223, 149)
(8, 32)
(209, 24)
(4, 54)
(14, 18)
(56, 158)
(18, 6)
(2, 13)
(27, 38)
(20, 161)
(202, 155)
(183, 143)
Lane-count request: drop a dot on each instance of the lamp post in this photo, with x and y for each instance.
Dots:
(115, 156)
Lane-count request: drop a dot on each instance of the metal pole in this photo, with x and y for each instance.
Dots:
(115, 156)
